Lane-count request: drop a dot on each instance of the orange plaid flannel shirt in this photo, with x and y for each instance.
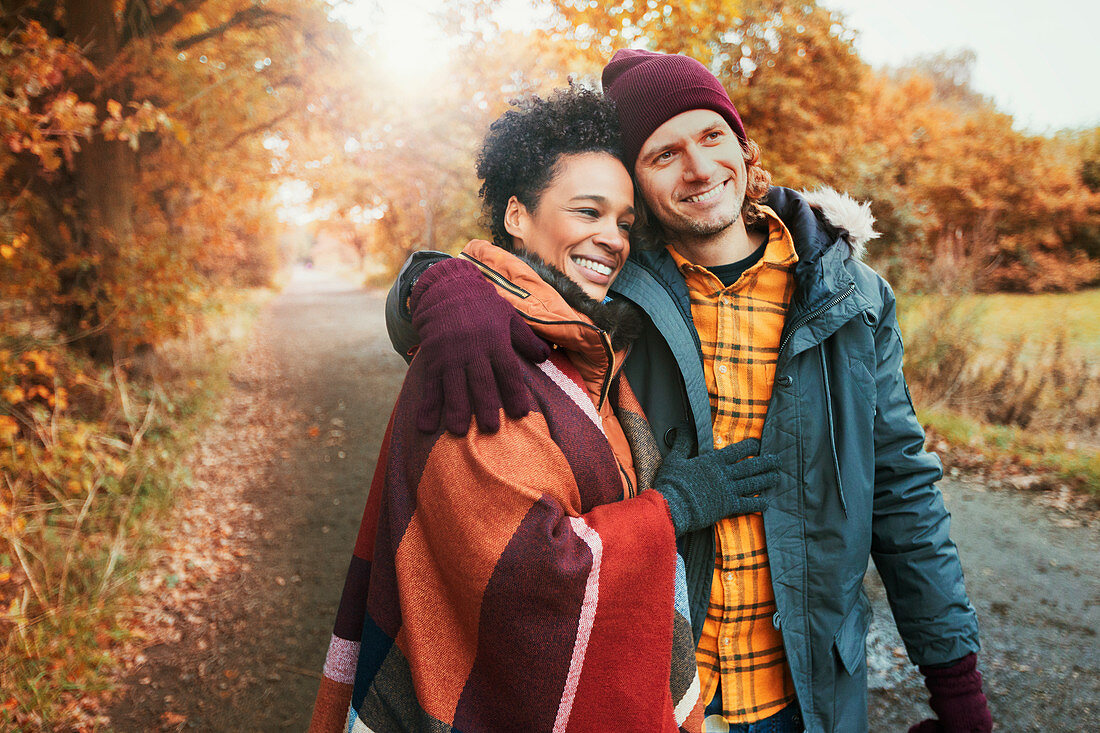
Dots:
(740, 327)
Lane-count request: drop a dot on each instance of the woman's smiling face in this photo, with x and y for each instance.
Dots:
(581, 223)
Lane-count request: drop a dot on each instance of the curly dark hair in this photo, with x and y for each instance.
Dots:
(521, 151)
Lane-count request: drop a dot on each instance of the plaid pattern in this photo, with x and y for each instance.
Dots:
(740, 328)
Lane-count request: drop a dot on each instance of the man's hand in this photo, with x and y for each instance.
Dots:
(957, 699)
(716, 484)
(471, 345)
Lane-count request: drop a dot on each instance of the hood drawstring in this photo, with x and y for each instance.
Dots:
(832, 433)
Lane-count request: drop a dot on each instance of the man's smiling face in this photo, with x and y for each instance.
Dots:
(691, 172)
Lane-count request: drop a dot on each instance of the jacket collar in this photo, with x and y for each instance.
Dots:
(549, 316)
(825, 295)
(822, 249)
(821, 222)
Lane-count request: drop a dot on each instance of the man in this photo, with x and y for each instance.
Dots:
(762, 323)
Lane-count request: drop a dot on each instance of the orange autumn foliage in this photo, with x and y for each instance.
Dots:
(135, 172)
(965, 198)
(137, 182)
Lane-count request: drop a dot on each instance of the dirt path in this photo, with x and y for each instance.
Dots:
(240, 649)
(1033, 574)
(309, 406)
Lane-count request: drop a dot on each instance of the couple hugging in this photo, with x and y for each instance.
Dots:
(649, 438)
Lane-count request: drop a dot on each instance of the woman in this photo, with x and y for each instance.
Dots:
(524, 579)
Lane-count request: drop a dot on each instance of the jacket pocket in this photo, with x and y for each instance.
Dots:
(850, 640)
(864, 380)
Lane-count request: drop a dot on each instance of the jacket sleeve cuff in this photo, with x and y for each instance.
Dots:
(414, 267)
(451, 270)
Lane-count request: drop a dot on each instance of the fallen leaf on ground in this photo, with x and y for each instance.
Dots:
(170, 718)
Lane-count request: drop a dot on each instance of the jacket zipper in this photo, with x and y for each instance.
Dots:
(605, 341)
(810, 316)
(496, 277)
(782, 345)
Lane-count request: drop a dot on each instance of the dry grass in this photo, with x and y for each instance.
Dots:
(87, 468)
(1011, 375)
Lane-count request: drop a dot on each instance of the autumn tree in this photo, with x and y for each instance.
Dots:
(1081, 150)
(404, 178)
(134, 158)
(791, 70)
(962, 196)
(142, 147)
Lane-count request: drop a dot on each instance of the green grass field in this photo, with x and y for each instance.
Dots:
(969, 357)
(1001, 318)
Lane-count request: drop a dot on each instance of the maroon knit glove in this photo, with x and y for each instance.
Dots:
(957, 699)
(471, 344)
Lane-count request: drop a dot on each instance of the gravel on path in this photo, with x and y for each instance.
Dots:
(1033, 574)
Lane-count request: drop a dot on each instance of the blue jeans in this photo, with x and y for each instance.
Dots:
(787, 720)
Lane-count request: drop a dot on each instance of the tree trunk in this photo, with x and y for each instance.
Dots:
(105, 173)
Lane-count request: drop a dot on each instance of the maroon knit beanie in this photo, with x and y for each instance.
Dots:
(651, 88)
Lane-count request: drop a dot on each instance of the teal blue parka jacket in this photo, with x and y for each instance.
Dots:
(855, 481)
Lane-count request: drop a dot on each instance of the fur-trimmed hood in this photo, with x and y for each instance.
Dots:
(843, 212)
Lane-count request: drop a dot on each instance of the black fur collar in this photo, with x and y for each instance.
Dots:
(621, 319)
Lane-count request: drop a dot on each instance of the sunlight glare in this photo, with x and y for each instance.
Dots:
(404, 37)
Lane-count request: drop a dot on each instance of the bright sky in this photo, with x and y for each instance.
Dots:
(1037, 60)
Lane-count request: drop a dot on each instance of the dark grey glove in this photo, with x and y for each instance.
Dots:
(716, 484)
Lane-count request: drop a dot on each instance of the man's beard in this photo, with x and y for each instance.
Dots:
(696, 229)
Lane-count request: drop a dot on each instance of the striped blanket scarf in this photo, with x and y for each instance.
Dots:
(516, 581)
